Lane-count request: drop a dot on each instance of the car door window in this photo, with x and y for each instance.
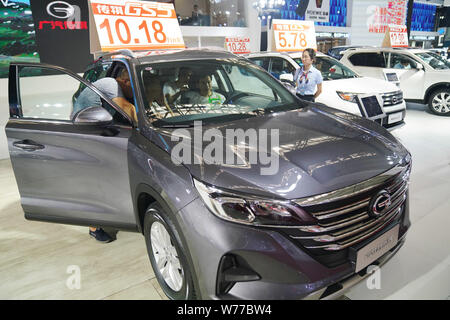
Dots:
(280, 66)
(57, 104)
(400, 61)
(369, 59)
(262, 62)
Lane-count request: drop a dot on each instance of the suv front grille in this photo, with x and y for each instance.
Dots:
(343, 216)
(392, 98)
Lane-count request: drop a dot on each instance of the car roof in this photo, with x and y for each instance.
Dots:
(278, 54)
(154, 56)
(371, 49)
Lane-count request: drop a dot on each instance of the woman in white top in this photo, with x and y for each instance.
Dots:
(308, 79)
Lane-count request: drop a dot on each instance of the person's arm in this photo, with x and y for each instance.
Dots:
(319, 90)
(129, 108)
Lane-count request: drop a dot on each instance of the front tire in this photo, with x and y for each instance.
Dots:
(439, 102)
(164, 250)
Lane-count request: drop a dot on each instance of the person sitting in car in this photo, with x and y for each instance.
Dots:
(174, 89)
(205, 94)
(403, 64)
(157, 105)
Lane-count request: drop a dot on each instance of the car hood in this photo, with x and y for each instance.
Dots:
(319, 150)
(360, 85)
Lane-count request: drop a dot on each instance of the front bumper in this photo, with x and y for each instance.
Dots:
(286, 271)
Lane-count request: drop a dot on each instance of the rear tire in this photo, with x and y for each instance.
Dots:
(166, 256)
(439, 102)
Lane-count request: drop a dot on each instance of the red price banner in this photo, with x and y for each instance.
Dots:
(238, 45)
(398, 36)
(293, 35)
(136, 25)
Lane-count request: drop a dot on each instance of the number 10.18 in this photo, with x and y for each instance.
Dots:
(158, 33)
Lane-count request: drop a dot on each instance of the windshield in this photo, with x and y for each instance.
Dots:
(434, 60)
(331, 69)
(179, 93)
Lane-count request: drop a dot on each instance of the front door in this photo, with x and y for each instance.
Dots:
(67, 172)
(411, 78)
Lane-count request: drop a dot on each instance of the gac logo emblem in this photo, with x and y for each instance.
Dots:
(60, 9)
(379, 203)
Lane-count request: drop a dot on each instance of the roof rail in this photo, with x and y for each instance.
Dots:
(125, 52)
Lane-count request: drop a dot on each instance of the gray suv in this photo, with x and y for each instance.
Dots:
(333, 200)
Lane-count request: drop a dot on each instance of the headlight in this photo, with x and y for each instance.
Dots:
(252, 211)
(347, 96)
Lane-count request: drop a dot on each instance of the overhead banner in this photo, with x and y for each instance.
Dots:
(395, 37)
(293, 35)
(62, 32)
(134, 25)
(237, 45)
(380, 17)
(318, 10)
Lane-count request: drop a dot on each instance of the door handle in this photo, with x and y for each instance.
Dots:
(28, 145)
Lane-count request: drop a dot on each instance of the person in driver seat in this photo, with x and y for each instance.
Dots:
(205, 95)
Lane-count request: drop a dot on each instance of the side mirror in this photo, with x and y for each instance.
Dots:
(93, 115)
(419, 66)
(287, 78)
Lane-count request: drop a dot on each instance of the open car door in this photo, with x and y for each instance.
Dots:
(70, 168)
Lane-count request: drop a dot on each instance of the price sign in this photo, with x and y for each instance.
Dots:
(293, 35)
(134, 25)
(396, 36)
(238, 45)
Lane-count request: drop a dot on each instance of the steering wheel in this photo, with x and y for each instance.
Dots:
(236, 97)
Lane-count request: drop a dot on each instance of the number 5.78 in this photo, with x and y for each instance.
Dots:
(293, 37)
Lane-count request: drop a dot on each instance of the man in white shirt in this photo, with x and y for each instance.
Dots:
(172, 90)
(205, 96)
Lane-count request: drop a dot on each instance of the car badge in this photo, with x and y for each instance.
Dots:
(379, 204)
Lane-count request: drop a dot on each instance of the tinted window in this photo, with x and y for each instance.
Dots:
(281, 66)
(370, 59)
(262, 62)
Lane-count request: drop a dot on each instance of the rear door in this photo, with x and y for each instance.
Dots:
(66, 172)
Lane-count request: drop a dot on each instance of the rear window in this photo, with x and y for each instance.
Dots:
(370, 59)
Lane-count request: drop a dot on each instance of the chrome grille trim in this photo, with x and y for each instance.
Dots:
(356, 239)
(346, 209)
(347, 222)
(350, 191)
(392, 98)
(359, 227)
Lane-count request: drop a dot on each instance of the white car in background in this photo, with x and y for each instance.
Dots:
(424, 79)
(341, 84)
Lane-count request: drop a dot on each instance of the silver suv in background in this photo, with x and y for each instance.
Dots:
(423, 75)
(341, 84)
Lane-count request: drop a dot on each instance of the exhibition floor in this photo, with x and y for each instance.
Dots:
(36, 259)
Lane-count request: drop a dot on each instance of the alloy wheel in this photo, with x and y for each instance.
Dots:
(166, 257)
(441, 102)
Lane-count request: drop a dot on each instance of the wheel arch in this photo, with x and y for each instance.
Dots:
(435, 87)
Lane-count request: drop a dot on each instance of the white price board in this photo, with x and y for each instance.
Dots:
(293, 35)
(396, 36)
(134, 25)
(237, 45)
